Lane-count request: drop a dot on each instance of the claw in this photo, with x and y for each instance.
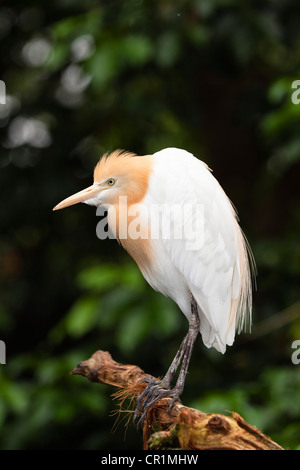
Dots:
(143, 401)
(154, 391)
(174, 399)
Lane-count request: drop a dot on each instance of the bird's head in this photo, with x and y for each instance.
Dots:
(116, 175)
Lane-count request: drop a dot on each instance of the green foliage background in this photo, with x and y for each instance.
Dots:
(86, 77)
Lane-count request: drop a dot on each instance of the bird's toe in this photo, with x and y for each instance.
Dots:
(154, 391)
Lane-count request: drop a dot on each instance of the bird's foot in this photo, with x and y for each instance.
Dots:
(154, 391)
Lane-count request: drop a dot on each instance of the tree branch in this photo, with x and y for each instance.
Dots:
(184, 428)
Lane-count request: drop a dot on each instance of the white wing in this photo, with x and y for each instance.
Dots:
(216, 270)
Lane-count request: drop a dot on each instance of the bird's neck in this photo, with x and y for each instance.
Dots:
(125, 216)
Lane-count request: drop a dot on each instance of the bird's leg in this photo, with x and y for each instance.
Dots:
(157, 389)
(191, 338)
(161, 386)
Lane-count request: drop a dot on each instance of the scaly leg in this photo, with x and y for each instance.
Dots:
(157, 389)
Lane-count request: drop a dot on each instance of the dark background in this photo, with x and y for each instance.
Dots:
(83, 78)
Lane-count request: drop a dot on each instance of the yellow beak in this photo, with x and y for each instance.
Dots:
(82, 196)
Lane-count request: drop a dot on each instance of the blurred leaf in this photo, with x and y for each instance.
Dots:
(132, 330)
(137, 49)
(116, 304)
(280, 90)
(103, 66)
(168, 49)
(98, 278)
(81, 317)
(165, 315)
(279, 120)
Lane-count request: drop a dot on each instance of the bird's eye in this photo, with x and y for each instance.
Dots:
(111, 182)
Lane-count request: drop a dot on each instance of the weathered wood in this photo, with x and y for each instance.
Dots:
(184, 428)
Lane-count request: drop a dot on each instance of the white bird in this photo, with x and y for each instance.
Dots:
(172, 216)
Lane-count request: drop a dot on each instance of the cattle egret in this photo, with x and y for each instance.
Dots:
(205, 267)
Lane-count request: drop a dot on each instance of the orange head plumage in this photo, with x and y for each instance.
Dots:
(117, 174)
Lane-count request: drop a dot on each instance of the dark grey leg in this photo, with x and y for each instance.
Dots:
(157, 389)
